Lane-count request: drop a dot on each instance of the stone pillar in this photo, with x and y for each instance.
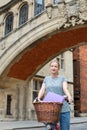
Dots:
(31, 9)
(16, 21)
(17, 102)
(24, 102)
(28, 101)
(2, 29)
(21, 103)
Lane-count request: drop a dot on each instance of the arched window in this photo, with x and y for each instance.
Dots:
(9, 23)
(23, 15)
(38, 6)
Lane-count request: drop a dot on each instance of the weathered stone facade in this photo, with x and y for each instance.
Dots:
(41, 27)
(22, 92)
(27, 48)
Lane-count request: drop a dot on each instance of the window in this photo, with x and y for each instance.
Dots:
(61, 60)
(9, 23)
(56, 1)
(37, 82)
(38, 7)
(23, 15)
(8, 110)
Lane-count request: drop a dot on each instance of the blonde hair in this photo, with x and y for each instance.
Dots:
(55, 60)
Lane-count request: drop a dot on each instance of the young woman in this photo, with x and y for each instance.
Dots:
(58, 84)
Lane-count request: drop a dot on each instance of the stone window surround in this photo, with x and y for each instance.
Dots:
(8, 9)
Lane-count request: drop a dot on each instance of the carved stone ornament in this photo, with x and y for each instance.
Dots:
(73, 21)
(49, 10)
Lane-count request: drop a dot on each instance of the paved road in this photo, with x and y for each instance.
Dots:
(82, 126)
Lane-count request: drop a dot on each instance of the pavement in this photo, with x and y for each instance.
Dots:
(10, 125)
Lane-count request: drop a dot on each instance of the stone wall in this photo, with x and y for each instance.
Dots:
(56, 29)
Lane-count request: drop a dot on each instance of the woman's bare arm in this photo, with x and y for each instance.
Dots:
(66, 91)
(42, 91)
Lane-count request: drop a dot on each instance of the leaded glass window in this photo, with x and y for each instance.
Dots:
(23, 16)
(38, 7)
(37, 83)
(61, 60)
(9, 23)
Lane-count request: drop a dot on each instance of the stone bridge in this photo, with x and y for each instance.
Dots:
(57, 28)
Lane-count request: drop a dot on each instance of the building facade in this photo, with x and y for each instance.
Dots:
(32, 33)
(18, 97)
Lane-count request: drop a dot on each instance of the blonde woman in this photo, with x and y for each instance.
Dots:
(57, 84)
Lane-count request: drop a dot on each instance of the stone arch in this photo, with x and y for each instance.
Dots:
(43, 50)
(21, 4)
(7, 14)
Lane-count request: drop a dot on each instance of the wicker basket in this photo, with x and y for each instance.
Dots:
(47, 111)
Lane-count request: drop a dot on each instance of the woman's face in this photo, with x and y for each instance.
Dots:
(54, 67)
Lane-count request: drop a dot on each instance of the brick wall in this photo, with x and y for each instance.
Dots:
(80, 85)
(83, 77)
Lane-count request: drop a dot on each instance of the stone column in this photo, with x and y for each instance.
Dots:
(17, 102)
(31, 9)
(21, 103)
(16, 21)
(29, 100)
(2, 29)
(24, 102)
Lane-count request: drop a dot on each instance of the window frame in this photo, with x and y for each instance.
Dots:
(37, 9)
(37, 79)
(61, 61)
(9, 23)
(23, 18)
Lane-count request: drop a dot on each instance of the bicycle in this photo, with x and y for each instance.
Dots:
(56, 126)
